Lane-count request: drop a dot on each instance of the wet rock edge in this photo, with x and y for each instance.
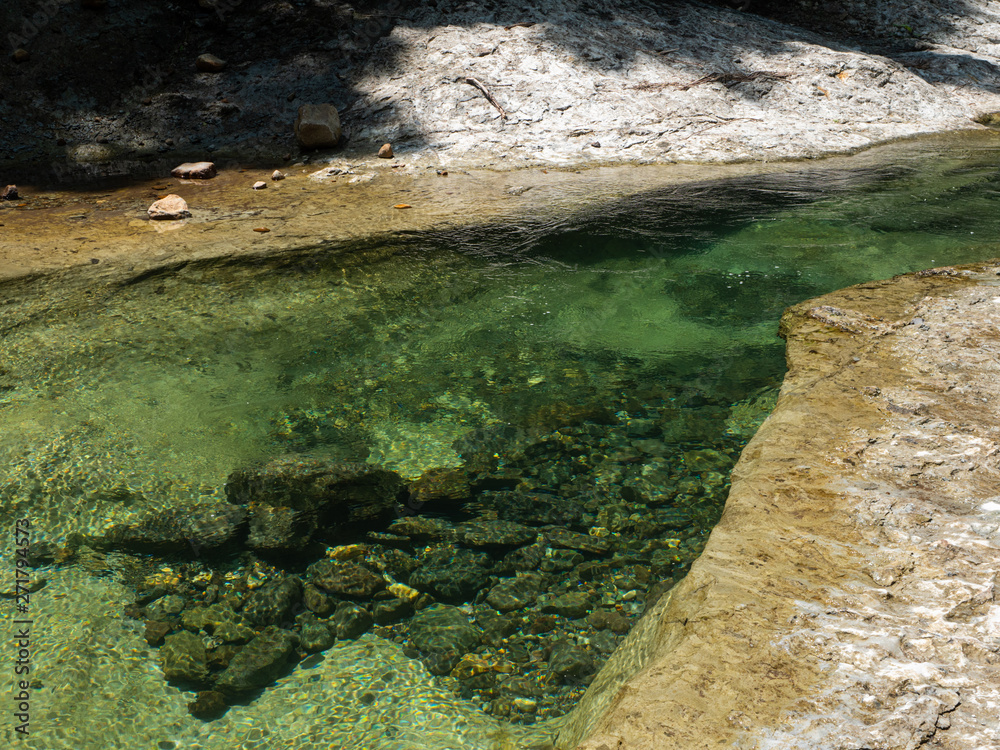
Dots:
(846, 594)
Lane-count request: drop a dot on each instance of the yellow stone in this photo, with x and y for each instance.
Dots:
(470, 666)
(346, 551)
(401, 591)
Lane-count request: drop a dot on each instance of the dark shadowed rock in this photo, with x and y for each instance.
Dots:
(317, 126)
(516, 593)
(260, 662)
(351, 620)
(536, 509)
(494, 533)
(208, 706)
(279, 529)
(209, 63)
(441, 628)
(314, 634)
(440, 484)
(452, 575)
(335, 493)
(569, 660)
(273, 602)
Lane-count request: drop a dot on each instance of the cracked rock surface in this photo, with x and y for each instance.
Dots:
(848, 598)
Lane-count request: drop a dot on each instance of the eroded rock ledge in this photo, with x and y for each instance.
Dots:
(848, 598)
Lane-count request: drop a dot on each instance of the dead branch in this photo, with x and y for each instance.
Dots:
(486, 92)
(730, 79)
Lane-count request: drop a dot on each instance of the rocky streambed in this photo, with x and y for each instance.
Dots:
(515, 594)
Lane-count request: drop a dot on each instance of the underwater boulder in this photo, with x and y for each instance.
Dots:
(260, 663)
(205, 528)
(335, 493)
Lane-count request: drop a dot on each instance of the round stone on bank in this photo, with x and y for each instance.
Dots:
(170, 207)
(194, 170)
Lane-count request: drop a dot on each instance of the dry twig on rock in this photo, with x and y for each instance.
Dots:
(486, 92)
(729, 79)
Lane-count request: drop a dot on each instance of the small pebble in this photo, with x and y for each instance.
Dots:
(21, 55)
(259, 185)
(277, 175)
(385, 152)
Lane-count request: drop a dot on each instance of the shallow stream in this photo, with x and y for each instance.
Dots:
(599, 375)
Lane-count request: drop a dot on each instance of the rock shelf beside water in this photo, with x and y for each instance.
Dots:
(847, 597)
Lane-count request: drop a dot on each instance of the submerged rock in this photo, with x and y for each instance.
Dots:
(351, 620)
(537, 509)
(392, 610)
(318, 602)
(516, 593)
(423, 528)
(260, 662)
(279, 529)
(494, 533)
(315, 635)
(581, 542)
(336, 493)
(206, 528)
(570, 661)
(345, 578)
(218, 620)
(273, 603)
(183, 657)
(574, 605)
(441, 628)
(452, 575)
(440, 484)
(208, 706)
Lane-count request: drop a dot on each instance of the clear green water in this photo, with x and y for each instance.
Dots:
(149, 395)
